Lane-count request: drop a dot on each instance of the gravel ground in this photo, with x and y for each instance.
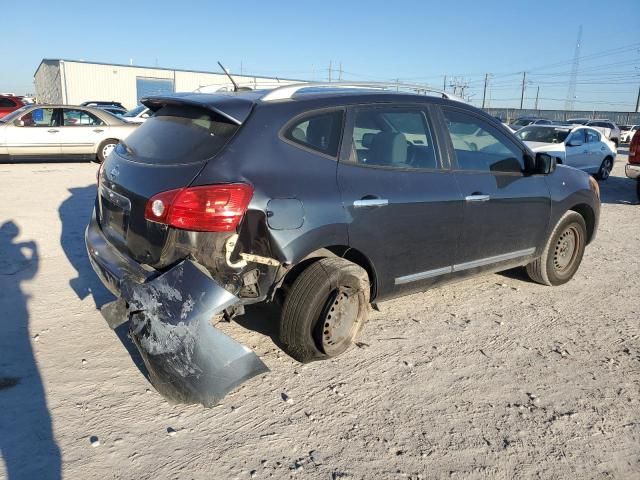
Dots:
(495, 377)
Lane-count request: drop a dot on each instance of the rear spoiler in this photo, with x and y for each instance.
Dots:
(234, 109)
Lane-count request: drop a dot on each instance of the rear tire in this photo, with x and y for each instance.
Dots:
(605, 168)
(563, 252)
(324, 310)
(106, 148)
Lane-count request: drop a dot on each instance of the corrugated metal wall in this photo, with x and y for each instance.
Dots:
(510, 114)
(74, 82)
(48, 83)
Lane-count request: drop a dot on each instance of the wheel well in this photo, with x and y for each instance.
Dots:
(589, 218)
(343, 251)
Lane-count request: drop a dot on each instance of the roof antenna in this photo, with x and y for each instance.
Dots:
(235, 85)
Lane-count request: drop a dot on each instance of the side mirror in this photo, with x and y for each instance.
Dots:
(18, 123)
(576, 142)
(544, 163)
(144, 115)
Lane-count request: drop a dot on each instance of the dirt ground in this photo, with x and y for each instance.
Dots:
(495, 377)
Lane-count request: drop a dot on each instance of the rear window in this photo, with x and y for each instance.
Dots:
(178, 135)
(318, 131)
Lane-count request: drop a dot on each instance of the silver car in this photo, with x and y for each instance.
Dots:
(60, 132)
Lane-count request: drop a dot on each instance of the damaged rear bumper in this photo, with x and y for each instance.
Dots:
(189, 361)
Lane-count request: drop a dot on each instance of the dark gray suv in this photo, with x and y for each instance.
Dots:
(328, 199)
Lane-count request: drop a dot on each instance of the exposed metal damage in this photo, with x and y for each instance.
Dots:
(189, 360)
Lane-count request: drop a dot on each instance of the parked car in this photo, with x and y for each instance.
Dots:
(324, 198)
(137, 115)
(9, 103)
(99, 103)
(627, 132)
(60, 132)
(577, 146)
(578, 121)
(117, 111)
(632, 169)
(610, 129)
(525, 121)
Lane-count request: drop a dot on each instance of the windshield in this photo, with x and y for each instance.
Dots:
(523, 122)
(579, 121)
(135, 112)
(13, 115)
(543, 134)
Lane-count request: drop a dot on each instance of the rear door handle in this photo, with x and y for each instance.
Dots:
(53, 130)
(477, 198)
(98, 130)
(371, 202)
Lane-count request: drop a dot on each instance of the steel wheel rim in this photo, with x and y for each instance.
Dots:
(339, 320)
(566, 250)
(107, 149)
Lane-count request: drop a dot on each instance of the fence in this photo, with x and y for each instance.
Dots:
(510, 114)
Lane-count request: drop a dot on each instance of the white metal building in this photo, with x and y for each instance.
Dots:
(73, 82)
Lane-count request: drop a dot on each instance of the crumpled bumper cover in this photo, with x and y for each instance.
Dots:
(189, 360)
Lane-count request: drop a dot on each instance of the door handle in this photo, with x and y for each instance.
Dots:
(585, 151)
(53, 130)
(370, 202)
(98, 130)
(477, 198)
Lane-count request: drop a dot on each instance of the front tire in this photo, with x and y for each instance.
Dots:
(105, 148)
(605, 168)
(563, 252)
(324, 310)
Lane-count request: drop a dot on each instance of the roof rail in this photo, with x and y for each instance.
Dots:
(288, 91)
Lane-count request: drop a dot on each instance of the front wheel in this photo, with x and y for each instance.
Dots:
(563, 252)
(324, 310)
(605, 168)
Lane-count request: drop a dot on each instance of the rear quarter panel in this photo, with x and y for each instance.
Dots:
(279, 170)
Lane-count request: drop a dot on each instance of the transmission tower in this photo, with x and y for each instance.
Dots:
(571, 93)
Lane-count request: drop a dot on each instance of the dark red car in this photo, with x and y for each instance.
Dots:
(9, 103)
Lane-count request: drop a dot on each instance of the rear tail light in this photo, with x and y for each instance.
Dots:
(209, 208)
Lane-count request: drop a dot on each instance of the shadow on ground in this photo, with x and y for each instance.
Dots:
(75, 213)
(27, 443)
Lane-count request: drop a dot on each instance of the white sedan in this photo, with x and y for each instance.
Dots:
(627, 132)
(36, 133)
(581, 147)
(137, 115)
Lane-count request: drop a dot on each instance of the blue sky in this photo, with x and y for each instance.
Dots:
(417, 41)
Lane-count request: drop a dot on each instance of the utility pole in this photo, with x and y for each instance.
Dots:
(524, 82)
(340, 73)
(484, 93)
(329, 71)
(638, 101)
(537, 93)
(444, 84)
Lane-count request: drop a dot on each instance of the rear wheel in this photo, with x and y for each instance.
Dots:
(605, 168)
(563, 252)
(324, 310)
(106, 148)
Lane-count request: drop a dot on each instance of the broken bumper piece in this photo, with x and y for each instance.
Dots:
(189, 360)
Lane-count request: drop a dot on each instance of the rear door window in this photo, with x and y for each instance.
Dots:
(76, 118)
(318, 131)
(480, 147)
(178, 135)
(393, 137)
